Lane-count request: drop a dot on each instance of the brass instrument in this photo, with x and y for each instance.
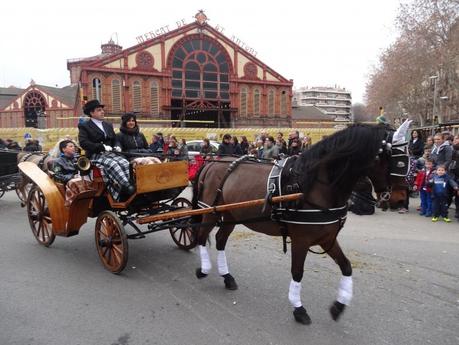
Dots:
(83, 164)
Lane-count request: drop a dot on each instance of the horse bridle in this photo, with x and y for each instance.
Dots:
(399, 163)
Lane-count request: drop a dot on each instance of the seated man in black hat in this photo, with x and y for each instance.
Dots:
(98, 139)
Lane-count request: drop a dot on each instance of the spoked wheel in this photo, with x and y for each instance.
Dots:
(23, 192)
(111, 242)
(184, 238)
(39, 217)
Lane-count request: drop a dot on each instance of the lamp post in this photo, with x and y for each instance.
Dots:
(444, 98)
(434, 78)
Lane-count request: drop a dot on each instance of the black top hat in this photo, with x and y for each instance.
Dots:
(91, 105)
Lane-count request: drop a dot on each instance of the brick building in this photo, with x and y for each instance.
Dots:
(193, 76)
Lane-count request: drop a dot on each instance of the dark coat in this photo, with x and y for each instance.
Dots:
(92, 139)
(416, 149)
(64, 168)
(225, 149)
(132, 141)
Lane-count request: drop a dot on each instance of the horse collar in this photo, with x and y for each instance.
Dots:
(284, 213)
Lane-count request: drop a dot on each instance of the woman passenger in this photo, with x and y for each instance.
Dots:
(130, 137)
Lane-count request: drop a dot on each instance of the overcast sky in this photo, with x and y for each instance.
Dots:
(315, 43)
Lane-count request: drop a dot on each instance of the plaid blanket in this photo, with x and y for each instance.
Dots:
(115, 171)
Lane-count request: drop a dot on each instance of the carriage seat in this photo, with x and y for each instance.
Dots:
(50, 167)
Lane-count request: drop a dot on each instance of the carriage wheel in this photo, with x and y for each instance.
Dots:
(111, 242)
(23, 192)
(39, 217)
(184, 238)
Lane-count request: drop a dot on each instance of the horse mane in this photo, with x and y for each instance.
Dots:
(346, 156)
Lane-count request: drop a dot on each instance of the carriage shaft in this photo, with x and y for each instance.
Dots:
(219, 208)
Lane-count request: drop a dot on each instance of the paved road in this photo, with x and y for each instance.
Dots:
(406, 288)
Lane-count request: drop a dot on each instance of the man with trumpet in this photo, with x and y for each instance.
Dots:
(66, 170)
(99, 141)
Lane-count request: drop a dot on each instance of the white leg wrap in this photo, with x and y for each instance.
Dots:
(205, 260)
(221, 263)
(345, 290)
(294, 294)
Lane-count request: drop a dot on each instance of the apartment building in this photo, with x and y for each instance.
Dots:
(335, 102)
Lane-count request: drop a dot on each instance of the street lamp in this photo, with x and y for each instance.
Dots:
(444, 98)
(434, 78)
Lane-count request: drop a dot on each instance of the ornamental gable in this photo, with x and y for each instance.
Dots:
(153, 53)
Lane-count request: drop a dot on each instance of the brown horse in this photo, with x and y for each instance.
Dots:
(325, 174)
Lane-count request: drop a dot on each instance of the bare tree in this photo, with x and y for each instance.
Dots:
(426, 50)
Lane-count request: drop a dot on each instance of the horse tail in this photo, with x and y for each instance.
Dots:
(196, 190)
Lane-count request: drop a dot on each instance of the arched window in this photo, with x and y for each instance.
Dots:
(256, 102)
(116, 95)
(200, 70)
(243, 103)
(136, 96)
(271, 96)
(97, 89)
(34, 107)
(154, 96)
(283, 102)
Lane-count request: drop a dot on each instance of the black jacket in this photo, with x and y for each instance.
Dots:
(64, 168)
(92, 139)
(132, 142)
(225, 149)
(416, 149)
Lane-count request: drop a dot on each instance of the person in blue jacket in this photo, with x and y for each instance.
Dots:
(440, 182)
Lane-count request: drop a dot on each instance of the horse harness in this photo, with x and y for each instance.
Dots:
(290, 212)
(285, 213)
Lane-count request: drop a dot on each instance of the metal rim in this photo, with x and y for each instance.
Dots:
(39, 217)
(111, 242)
(184, 238)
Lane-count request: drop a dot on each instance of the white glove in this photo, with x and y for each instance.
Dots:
(117, 149)
(107, 148)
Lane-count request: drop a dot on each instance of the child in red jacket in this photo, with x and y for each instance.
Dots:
(421, 184)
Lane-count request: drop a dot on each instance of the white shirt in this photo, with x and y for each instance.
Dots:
(99, 124)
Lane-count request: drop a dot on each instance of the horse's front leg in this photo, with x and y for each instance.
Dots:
(345, 284)
(221, 238)
(203, 235)
(299, 251)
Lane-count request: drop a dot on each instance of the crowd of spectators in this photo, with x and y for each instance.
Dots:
(265, 146)
(9, 144)
(436, 172)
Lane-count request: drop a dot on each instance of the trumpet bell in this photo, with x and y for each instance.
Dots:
(83, 165)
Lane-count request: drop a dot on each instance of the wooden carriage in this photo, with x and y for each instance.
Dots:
(157, 190)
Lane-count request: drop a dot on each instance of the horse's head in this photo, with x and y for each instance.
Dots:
(392, 161)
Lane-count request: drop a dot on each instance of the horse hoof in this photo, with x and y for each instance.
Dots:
(199, 274)
(336, 310)
(301, 316)
(230, 282)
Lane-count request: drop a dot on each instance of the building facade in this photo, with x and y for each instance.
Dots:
(39, 106)
(335, 102)
(193, 76)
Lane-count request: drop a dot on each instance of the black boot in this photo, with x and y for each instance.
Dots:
(126, 192)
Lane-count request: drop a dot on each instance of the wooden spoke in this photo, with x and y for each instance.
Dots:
(185, 237)
(39, 217)
(111, 242)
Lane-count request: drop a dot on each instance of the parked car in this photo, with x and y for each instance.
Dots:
(194, 147)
